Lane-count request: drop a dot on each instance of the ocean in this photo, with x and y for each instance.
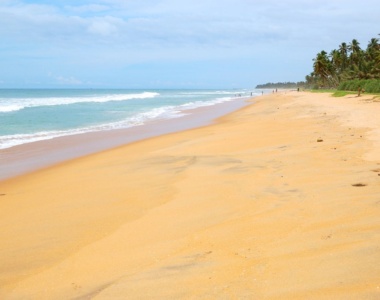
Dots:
(29, 115)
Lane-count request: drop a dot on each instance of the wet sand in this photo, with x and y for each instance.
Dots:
(279, 200)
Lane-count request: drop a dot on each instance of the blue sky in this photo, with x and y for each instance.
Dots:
(173, 44)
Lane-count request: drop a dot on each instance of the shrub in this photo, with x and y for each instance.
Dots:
(370, 85)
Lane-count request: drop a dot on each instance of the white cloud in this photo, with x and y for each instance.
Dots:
(224, 23)
(96, 35)
(105, 26)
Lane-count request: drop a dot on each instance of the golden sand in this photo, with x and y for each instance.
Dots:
(280, 200)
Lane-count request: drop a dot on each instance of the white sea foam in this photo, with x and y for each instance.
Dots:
(10, 107)
(16, 104)
(168, 112)
(196, 104)
(164, 112)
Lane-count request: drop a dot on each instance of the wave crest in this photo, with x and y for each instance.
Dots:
(19, 104)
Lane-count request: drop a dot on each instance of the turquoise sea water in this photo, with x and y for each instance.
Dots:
(32, 115)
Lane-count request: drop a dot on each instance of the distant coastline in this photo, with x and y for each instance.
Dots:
(281, 85)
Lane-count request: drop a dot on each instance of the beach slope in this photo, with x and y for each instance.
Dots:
(279, 200)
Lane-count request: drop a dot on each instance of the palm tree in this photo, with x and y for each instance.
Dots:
(346, 63)
(343, 50)
(373, 45)
(337, 64)
(323, 68)
(356, 53)
(311, 80)
(373, 56)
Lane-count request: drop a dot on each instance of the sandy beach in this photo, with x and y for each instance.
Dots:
(278, 200)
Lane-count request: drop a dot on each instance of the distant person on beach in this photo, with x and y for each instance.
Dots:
(360, 90)
(262, 92)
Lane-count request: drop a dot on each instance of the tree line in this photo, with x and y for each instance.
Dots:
(281, 85)
(348, 68)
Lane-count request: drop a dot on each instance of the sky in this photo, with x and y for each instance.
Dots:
(151, 44)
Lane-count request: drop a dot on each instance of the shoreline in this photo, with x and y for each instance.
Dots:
(277, 200)
(30, 157)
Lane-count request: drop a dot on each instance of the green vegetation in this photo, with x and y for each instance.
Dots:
(370, 85)
(281, 85)
(342, 93)
(348, 68)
